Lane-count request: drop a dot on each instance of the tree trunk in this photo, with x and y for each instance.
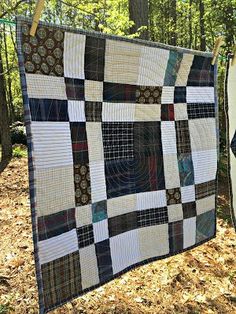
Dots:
(229, 19)
(10, 98)
(151, 22)
(138, 13)
(173, 24)
(202, 26)
(96, 18)
(190, 25)
(6, 153)
(196, 37)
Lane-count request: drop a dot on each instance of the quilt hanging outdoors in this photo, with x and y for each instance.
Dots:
(230, 107)
(122, 154)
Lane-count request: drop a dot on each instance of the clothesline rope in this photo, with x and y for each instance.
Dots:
(7, 22)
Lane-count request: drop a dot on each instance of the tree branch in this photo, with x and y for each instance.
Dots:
(18, 3)
(13, 67)
(13, 42)
(78, 8)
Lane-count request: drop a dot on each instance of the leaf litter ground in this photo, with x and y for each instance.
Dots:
(202, 280)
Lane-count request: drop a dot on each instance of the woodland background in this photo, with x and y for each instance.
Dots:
(200, 281)
(188, 23)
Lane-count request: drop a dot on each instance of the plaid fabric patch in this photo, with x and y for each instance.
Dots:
(147, 139)
(79, 142)
(48, 109)
(167, 112)
(93, 111)
(201, 72)
(104, 261)
(176, 236)
(118, 140)
(186, 170)
(205, 189)
(198, 111)
(152, 216)
(114, 92)
(120, 177)
(61, 280)
(74, 88)
(85, 236)
(182, 137)
(180, 94)
(81, 163)
(117, 176)
(122, 223)
(149, 173)
(172, 68)
(99, 210)
(189, 210)
(55, 224)
(205, 228)
(94, 58)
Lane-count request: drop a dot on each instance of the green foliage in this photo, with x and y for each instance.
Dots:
(19, 152)
(108, 16)
(18, 134)
(224, 213)
(219, 19)
(112, 17)
(5, 308)
(232, 276)
(223, 165)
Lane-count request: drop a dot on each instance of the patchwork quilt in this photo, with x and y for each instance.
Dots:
(230, 107)
(122, 154)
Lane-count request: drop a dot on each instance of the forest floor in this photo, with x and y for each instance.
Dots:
(202, 280)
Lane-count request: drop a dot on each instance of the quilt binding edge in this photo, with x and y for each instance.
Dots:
(27, 120)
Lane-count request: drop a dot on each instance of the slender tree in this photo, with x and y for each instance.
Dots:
(173, 22)
(138, 12)
(5, 136)
(230, 25)
(8, 78)
(6, 152)
(202, 26)
(190, 25)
